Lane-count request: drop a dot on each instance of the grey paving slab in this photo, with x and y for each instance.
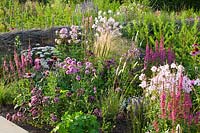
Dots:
(9, 127)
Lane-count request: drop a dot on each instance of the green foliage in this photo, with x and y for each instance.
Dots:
(175, 5)
(77, 122)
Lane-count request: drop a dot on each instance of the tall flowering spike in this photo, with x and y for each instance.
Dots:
(151, 54)
(23, 63)
(146, 58)
(187, 104)
(29, 55)
(157, 49)
(162, 104)
(180, 83)
(156, 54)
(11, 66)
(162, 51)
(17, 62)
(5, 66)
(170, 56)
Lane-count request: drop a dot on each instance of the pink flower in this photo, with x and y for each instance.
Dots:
(162, 104)
(11, 66)
(78, 77)
(37, 63)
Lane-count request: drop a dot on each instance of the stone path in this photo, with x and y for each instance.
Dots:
(9, 127)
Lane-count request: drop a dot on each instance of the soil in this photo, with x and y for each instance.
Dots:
(4, 109)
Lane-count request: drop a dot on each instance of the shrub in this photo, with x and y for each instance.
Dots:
(78, 122)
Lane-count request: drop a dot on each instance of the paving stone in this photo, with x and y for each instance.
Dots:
(9, 127)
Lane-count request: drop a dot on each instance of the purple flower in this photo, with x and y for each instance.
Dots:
(14, 117)
(88, 65)
(56, 100)
(79, 64)
(34, 112)
(87, 71)
(68, 72)
(8, 116)
(34, 100)
(97, 112)
(95, 90)
(45, 99)
(34, 91)
(73, 62)
(91, 99)
(37, 63)
(63, 33)
(53, 117)
(68, 94)
(78, 77)
(80, 91)
(68, 60)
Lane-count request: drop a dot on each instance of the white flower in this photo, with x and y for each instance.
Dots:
(57, 41)
(118, 13)
(197, 82)
(104, 13)
(99, 13)
(173, 66)
(111, 21)
(109, 11)
(180, 68)
(143, 84)
(93, 26)
(142, 77)
(153, 69)
(166, 67)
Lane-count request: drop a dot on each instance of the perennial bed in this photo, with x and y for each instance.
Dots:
(129, 69)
